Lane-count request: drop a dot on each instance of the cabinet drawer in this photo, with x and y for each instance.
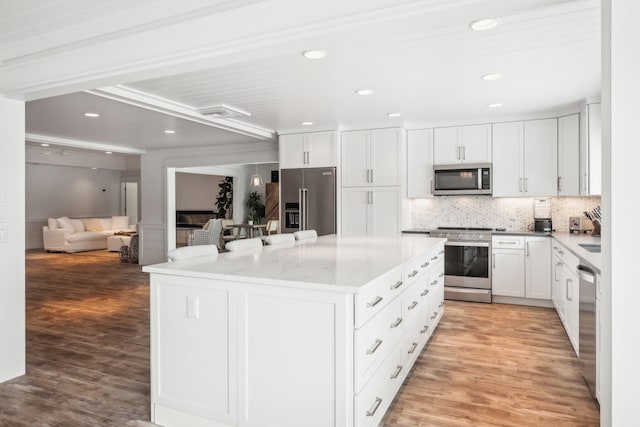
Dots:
(375, 296)
(436, 305)
(415, 337)
(507, 242)
(375, 339)
(373, 401)
(415, 298)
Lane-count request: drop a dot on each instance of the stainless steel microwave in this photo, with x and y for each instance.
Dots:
(462, 179)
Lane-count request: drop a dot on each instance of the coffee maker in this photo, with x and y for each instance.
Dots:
(542, 215)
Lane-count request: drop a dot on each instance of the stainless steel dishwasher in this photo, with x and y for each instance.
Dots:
(587, 322)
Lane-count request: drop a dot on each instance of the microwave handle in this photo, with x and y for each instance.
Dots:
(433, 187)
(479, 178)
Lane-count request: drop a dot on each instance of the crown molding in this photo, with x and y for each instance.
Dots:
(46, 139)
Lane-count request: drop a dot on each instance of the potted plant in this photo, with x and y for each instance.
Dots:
(256, 207)
(224, 201)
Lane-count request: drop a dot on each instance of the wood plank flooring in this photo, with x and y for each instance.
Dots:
(87, 344)
(495, 365)
(88, 358)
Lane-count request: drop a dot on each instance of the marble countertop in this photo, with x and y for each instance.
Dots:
(337, 263)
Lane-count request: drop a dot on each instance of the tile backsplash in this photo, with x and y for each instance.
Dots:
(494, 212)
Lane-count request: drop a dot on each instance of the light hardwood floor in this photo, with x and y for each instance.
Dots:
(88, 358)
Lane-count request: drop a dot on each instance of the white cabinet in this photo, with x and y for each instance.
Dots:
(371, 210)
(303, 150)
(591, 150)
(419, 163)
(371, 158)
(507, 266)
(521, 267)
(569, 155)
(462, 144)
(184, 311)
(538, 267)
(566, 291)
(525, 158)
(507, 276)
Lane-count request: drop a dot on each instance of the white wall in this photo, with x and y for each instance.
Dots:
(621, 151)
(55, 191)
(12, 231)
(154, 225)
(196, 191)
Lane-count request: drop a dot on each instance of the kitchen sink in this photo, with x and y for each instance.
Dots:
(591, 247)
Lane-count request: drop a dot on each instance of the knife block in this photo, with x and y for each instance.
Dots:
(596, 228)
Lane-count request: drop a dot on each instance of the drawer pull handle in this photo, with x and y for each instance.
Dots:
(374, 347)
(424, 293)
(374, 408)
(441, 304)
(375, 302)
(434, 315)
(425, 265)
(425, 329)
(508, 243)
(413, 305)
(396, 372)
(435, 282)
(413, 348)
(413, 273)
(396, 285)
(396, 323)
(441, 252)
(560, 252)
(441, 275)
(434, 258)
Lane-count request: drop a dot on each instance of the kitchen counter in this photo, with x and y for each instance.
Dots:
(520, 233)
(336, 263)
(571, 242)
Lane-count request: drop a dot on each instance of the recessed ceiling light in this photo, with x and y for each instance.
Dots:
(92, 115)
(108, 152)
(169, 131)
(306, 123)
(494, 105)
(46, 153)
(364, 92)
(483, 24)
(493, 76)
(314, 54)
(94, 169)
(44, 145)
(394, 114)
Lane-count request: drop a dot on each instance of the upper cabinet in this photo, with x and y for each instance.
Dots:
(419, 163)
(308, 150)
(371, 158)
(462, 144)
(590, 150)
(525, 158)
(569, 155)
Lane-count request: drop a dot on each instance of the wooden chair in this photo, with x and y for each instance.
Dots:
(229, 233)
(272, 227)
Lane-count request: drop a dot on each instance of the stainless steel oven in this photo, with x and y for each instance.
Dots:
(467, 263)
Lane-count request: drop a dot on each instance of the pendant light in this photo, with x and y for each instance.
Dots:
(256, 180)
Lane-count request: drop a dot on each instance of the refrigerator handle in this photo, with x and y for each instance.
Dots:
(300, 210)
(305, 204)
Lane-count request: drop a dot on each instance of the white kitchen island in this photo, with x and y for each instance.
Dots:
(316, 334)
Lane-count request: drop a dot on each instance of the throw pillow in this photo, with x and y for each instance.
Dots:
(92, 224)
(105, 224)
(119, 223)
(78, 225)
(65, 222)
(52, 223)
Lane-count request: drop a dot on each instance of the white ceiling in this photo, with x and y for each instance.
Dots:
(425, 63)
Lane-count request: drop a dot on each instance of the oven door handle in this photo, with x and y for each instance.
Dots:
(474, 244)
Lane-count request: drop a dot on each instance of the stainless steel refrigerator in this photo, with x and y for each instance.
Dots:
(308, 200)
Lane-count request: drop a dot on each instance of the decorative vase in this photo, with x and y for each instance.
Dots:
(250, 222)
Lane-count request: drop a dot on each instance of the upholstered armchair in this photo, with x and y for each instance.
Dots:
(208, 235)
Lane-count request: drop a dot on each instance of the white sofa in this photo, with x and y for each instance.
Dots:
(86, 234)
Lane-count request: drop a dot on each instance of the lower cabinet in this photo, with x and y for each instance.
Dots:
(520, 267)
(229, 353)
(565, 291)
